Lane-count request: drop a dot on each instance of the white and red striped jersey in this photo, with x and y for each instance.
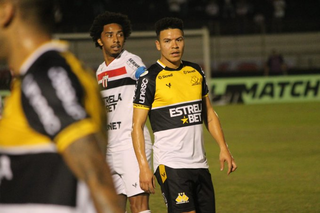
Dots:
(117, 81)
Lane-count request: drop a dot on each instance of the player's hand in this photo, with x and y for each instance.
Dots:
(225, 156)
(147, 180)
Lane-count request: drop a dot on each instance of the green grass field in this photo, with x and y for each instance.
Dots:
(277, 149)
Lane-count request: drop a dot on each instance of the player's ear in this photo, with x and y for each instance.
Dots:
(158, 45)
(100, 42)
(7, 10)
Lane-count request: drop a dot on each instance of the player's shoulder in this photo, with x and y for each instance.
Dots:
(126, 55)
(101, 67)
(54, 67)
(153, 71)
(46, 62)
(131, 60)
(191, 64)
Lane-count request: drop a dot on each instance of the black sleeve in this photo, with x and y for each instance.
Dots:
(144, 94)
(52, 97)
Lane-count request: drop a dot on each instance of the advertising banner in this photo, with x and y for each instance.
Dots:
(256, 90)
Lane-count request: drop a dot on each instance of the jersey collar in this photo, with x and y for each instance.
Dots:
(48, 46)
(168, 68)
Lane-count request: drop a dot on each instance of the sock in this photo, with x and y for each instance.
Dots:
(145, 211)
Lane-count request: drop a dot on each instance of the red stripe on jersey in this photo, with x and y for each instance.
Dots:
(113, 73)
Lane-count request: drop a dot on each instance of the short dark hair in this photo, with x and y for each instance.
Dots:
(42, 13)
(168, 23)
(108, 18)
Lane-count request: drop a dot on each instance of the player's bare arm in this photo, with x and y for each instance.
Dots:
(147, 181)
(85, 159)
(213, 125)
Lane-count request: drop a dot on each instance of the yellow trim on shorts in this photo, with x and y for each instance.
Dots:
(163, 173)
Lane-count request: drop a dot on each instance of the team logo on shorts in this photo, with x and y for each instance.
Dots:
(182, 198)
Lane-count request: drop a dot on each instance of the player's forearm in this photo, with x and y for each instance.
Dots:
(213, 125)
(215, 129)
(85, 159)
(137, 134)
(139, 146)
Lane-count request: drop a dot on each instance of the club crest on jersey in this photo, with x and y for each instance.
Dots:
(195, 81)
(104, 81)
(182, 198)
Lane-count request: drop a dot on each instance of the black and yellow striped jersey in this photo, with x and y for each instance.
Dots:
(174, 98)
(54, 102)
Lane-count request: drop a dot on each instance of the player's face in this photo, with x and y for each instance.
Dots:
(171, 46)
(112, 39)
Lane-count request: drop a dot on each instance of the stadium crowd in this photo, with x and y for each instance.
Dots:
(223, 17)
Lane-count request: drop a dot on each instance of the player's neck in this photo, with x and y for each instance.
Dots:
(23, 45)
(170, 64)
(109, 58)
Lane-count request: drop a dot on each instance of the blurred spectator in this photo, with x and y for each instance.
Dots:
(156, 10)
(212, 15)
(259, 22)
(279, 7)
(178, 8)
(275, 64)
(242, 9)
(228, 11)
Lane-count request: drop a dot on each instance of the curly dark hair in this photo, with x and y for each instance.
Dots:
(168, 23)
(109, 18)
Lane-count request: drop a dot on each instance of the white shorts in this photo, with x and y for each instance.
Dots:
(125, 171)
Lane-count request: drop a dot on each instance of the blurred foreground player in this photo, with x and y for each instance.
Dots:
(51, 137)
(117, 76)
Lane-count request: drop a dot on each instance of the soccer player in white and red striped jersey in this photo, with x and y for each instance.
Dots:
(117, 76)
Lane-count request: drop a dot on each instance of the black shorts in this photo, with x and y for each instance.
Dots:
(186, 189)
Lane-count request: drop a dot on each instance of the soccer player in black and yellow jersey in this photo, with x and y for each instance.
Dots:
(51, 132)
(174, 94)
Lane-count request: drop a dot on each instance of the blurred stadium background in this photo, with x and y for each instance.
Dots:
(242, 32)
(274, 129)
